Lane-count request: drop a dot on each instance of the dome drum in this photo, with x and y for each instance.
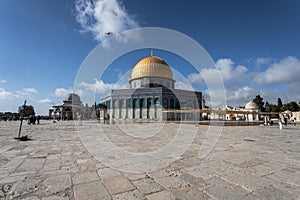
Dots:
(151, 72)
(73, 99)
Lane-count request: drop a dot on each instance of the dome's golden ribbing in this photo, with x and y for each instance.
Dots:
(151, 67)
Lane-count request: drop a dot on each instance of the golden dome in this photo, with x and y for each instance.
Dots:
(151, 66)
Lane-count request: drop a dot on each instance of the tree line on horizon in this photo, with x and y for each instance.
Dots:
(22, 111)
(279, 107)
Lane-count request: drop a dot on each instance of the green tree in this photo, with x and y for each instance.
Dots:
(259, 101)
(273, 108)
(292, 106)
(279, 104)
(27, 111)
(267, 107)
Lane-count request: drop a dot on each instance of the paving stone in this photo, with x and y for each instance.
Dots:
(244, 180)
(31, 198)
(91, 191)
(190, 193)
(27, 186)
(147, 186)
(39, 154)
(163, 195)
(55, 197)
(32, 164)
(172, 183)
(118, 184)
(284, 176)
(14, 162)
(271, 192)
(51, 165)
(159, 173)
(294, 189)
(221, 189)
(2, 195)
(252, 162)
(57, 183)
(260, 170)
(108, 172)
(134, 176)
(131, 195)
(6, 190)
(11, 179)
(192, 180)
(85, 177)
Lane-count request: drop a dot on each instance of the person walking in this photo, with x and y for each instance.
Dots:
(279, 123)
(38, 119)
(285, 120)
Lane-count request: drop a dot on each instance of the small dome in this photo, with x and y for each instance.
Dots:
(151, 66)
(73, 97)
(251, 105)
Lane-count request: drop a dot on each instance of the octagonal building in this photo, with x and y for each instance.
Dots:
(152, 95)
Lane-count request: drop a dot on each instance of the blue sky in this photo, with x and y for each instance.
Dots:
(255, 44)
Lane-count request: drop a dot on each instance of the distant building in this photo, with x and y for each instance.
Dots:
(72, 108)
(152, 92)
(251, 106)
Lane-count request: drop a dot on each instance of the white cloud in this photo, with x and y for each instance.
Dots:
(240, 96)
(98, 86)
(62, 92)
(239, 87)
(26, 92)
(261, 61)
(215, 97)
(5, 94)
(286, 71)
(230, 72)
(226, 73)
(2, 81)
(45, 101)
(30, 90)
(102, 16)
(183, 85)
(195, 78)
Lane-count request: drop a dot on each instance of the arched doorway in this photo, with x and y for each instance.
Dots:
(121, 108)
(127, 107)
(142, 102)
(148, 108)
(165, 103)
(68, 115)
(134, 105)
(114, 106)
(156, 106)
(172, 106)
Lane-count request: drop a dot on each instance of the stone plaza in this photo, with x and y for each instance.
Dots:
(247, 162)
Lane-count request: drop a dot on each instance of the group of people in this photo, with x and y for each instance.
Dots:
(32, 119)
(285, 120)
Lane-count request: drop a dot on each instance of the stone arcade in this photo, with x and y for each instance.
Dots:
(152, 92)
(72, 108)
